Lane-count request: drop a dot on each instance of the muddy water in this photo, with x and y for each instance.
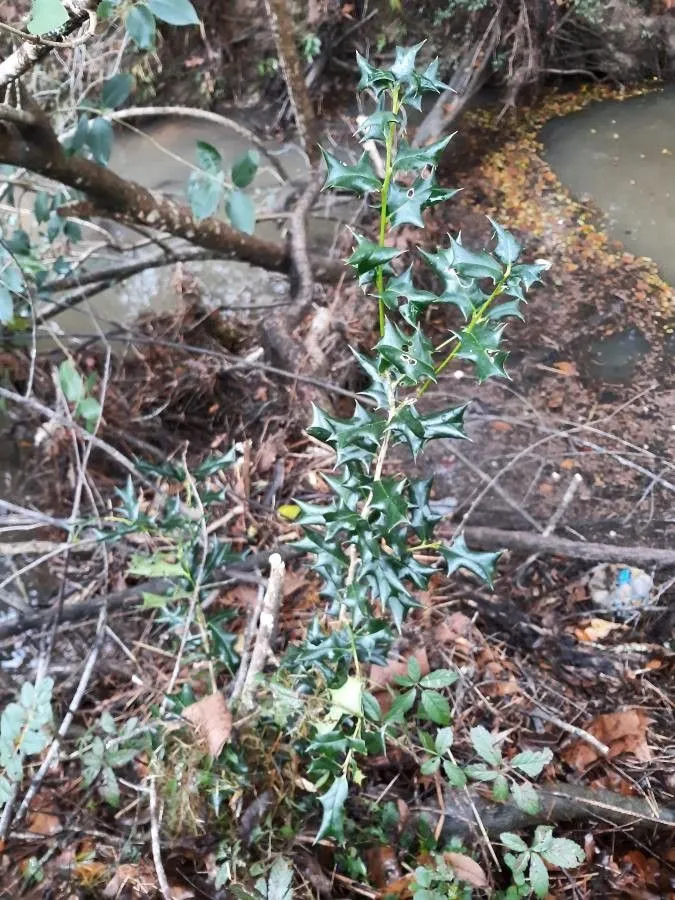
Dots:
(621, 155)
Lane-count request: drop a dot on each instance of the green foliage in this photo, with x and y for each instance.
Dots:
(101, 755)
(77, 392)
(528, 863)
(46, 16)
(207, 188)
(367, 538)
(25, 730)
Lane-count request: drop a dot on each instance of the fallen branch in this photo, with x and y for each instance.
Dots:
(497, 538)
(129, 597)
(558, 802)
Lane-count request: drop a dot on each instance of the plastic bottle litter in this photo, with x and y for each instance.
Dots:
(624, 591)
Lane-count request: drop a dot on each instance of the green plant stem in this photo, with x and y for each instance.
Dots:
(388, 173)
(477, 316)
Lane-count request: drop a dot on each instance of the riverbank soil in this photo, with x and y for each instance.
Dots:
(590, 403)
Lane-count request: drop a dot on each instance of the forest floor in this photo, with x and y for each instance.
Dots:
(540, 664)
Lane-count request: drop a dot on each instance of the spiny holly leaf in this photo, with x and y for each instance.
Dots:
(388, 499)
(448, 423)
(379, 386)
(429, 82)
(353, 439)
(463, 293)
(507, 249)
(418, 158)
(523, 277)
(403, 69)
(407, 428)
(401, 290)
(504, 310)
(333, 801)
(488, 363)
(423, 519)
(405, 204)
(459, 556)
(410, 355)
(375, 126)
(360, 179)
(470, 264)
(376, 80)
(368, 257)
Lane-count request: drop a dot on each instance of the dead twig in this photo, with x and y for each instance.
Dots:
(262, 649)
(497, 538)
(155, 842)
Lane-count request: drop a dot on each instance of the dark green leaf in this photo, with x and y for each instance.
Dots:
(564, 853)
(333, 801)
(414, 671)
(100, 140)
(513, 842)
(376, 80)
(209, 158)
(448, 423)
(507, 249)
(174, 12)
(279, 881)
(72, 230)
(454, 774)
(141, 26)
(371, 707)
(368, 257)
(204, 193)
(404, 63)
(409, 355)
(525, 798)
(405, 204)
(54, 226)
(79, 138)
(116, 90)
(532, 762)
(244, 168)
(459, 556)
(401, 705)
(500, 789)
(375, 126)
(485, 746)
(440, 678)
(435, 707)
(488, 363)
(241, 211)
(538, 875)
(109, 787)
(42, 206)
(46, 16)
(6, 306)
(407, 427)
(443, 741)
(359, 179)
(418, 158)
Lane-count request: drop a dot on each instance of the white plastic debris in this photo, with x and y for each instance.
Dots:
(624, 591)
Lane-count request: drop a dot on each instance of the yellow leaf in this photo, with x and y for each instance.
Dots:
(289, 511)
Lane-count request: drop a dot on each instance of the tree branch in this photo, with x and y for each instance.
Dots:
(128, 202)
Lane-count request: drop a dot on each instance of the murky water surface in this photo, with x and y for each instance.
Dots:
(621, 155)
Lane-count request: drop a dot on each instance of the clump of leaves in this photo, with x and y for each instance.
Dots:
(25, 730)
(528, 863)
(368, 539)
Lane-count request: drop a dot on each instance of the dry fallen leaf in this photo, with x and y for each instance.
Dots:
(622, 732)
(139, 877)
(566, 368)
(383, 867)
(596, 630)
(466, 869)
(212, 720)
(44, 823)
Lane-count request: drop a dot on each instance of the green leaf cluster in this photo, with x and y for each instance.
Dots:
(25, 730)
(207, 190)
(528, 863)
